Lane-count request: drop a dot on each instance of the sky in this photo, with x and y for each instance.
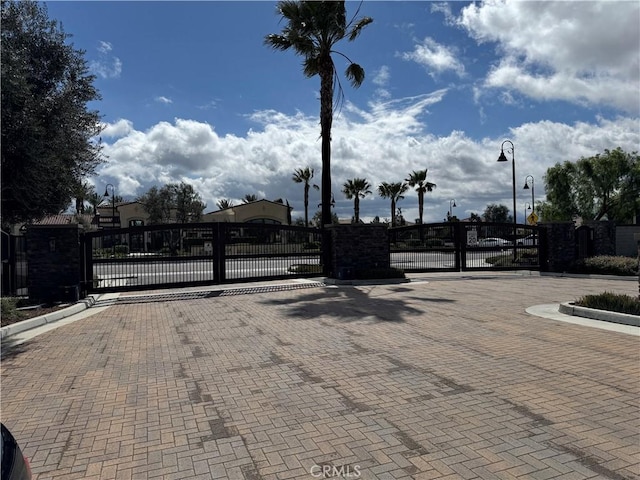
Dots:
(191, 93)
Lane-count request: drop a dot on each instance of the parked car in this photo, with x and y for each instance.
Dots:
(493, 242)
(15, 465)
(529, 240)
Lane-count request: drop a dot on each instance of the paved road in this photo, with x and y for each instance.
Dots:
(445, 378)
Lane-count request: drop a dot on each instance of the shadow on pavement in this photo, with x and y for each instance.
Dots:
(350, 304)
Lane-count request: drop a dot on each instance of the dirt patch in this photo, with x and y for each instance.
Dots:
(23, 315)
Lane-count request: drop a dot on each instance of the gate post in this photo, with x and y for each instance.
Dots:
(53, 258)
(358, 247)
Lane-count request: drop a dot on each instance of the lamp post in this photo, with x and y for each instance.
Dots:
(526, 187)
(503, 158)
(452, 203)
(113, 214)
(527, 206)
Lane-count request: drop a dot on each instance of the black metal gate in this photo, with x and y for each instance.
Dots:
(465, 246)
(14, 265)
(164, 256)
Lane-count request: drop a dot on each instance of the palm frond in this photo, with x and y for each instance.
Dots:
(357, 28)
(355, 74)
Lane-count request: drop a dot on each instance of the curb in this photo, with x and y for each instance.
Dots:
(569, 308)
(52, 317)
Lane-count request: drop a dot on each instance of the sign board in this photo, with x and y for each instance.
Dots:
(472, 237)
(208, 248)
(532, 218)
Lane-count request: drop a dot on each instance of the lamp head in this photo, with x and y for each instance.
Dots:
(502, 157)
(454, 204)
(526, 185)
(106, 192)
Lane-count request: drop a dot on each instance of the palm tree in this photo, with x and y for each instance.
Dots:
(312, 30)
(357, 188)
(224, 204)
(249, 197)
(418, 179)
(304, 175)
(394, 191)
(82, 191)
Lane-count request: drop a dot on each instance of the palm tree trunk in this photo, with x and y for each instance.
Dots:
(326, 120)
(356, 208)
(306, 204)
(420, 205)
(393, 212)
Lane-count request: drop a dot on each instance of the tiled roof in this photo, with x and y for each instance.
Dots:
(63, 219)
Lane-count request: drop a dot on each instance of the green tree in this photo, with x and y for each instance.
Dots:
(606, 184)
(249, 197)
(312, 30)
(418, 179)
(172, 203)
(393, 191)
(316, 221)
(48, 134)
(82, 191)
(304, 175)
(357, 188)
(224, 204)
(497, 213)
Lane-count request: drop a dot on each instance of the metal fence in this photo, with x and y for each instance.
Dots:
(14, 265)
(461, 246)
(198, 254)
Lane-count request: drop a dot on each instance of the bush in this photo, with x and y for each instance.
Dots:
(607, 265)
(611, 302)
(8, 311)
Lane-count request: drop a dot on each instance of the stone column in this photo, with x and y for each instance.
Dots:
(636, 236)
(358, 247)
(560, 246)
(54, 262)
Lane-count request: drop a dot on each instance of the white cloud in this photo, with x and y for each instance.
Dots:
(582, 52)
(381, 76)
(120, 128)
(384, 142)
(163, 99)
(435, 58)
(106, 65)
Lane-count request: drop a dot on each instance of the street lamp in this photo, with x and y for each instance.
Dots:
(113, 214)
(526, 187)
(527, 206)
(452, 203)
(503, 158)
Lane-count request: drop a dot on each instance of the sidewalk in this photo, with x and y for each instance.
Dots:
(438, 378)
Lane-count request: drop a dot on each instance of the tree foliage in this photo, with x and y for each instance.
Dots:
(606, 184)
(48, 133)
(178, 203)
(418, 179)
(497, 213)
(395, 192)
(312, 30)
(304, 175)
(356, 188)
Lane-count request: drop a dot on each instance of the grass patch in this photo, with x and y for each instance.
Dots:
(607, 265)
(611, 302)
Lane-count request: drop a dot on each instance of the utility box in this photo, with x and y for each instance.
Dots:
(70, 293)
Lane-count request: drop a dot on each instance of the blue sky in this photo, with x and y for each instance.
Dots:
(190, 93)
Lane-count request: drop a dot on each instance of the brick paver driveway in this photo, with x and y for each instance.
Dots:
(449, 378)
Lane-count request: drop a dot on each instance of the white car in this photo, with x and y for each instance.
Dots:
(493, 242)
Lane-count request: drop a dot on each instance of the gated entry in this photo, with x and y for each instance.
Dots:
(464, 246)
(164, 256)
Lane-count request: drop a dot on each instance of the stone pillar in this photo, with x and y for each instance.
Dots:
(604, 237)
(559, 247)
(54, 262)
(358, 247)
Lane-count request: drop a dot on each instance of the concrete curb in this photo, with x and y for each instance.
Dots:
(569, 308)
(52, 317)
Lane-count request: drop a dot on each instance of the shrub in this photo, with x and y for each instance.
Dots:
(611, 302)
(305, 268)
(8, 311)
(607, 265)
